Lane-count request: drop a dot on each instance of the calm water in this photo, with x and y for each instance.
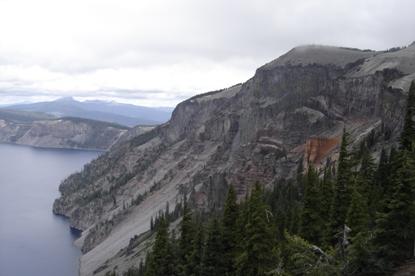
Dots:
(33, 240)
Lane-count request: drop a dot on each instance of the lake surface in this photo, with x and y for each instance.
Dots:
(33, 240)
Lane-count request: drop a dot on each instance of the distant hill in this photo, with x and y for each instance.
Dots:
(23, 116)
(124, 114)
(45, 130)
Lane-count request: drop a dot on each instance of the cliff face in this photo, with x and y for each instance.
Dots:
(257, 130)
(67, 133)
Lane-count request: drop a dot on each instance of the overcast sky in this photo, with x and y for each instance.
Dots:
(158, 53)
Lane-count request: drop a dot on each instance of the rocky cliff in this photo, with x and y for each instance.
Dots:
(67, 133)
(256, 130)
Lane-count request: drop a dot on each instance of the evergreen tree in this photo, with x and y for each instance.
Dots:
(357, 217)
(360, 258)
(167, 212)
(151, 224)
(187, 229)
(240, 226)
(311, 222)
(407, 138)
(213, 262)
(230, 215)
(257, 256)
(341, 190)
(367, 188)
(367, 173)
(279, 223)
(394, 231)
(162, 261)
(382, 174)
(294, 220)
(194, 260)
(326, 195)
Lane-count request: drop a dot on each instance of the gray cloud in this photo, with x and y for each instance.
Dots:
(160, 52)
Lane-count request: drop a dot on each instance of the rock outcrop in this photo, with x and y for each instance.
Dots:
(68, 133)
(256, 130)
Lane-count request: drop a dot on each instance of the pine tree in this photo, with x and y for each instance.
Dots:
(279, 223)
(229, 228)
(311, 222)
(151, 224)
(367, 188)
(382, 173)
(257, 256)
(294, 220)
(240, 226)
(213, 262)
(360, 257)
(407, 138)
(341, 190)
(187, 229)
(357, 217)
(194, 260)
(326, 195)
(394, 231)
(162, 261)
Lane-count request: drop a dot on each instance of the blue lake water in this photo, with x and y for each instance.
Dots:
(33, 240)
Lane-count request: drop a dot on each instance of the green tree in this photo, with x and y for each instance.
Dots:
(162, 261)
(311, 222)
(326, 195)
(360, 257)
(187, 229)
(357, 217)
(367, 189)
(294, 220)
(341, 190)
(394, 231)
(230, 215)
(213, 262)
(407, 138)
(258, 254)
(194, 260)
(382, 173)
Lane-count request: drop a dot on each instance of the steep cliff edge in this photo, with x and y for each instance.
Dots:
(256, 130)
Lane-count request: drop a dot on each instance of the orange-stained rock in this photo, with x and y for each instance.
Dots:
(318, 147)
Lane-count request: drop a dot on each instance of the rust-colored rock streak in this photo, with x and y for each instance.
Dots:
(318, 147)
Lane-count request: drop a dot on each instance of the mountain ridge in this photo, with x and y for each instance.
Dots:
(124, 114)
(258, 130)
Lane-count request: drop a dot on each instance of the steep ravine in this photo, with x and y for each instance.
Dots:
(293, 107)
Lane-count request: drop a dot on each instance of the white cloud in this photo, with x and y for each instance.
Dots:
(123, 49)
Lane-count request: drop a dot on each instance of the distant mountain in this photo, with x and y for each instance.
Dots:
(124, 114)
